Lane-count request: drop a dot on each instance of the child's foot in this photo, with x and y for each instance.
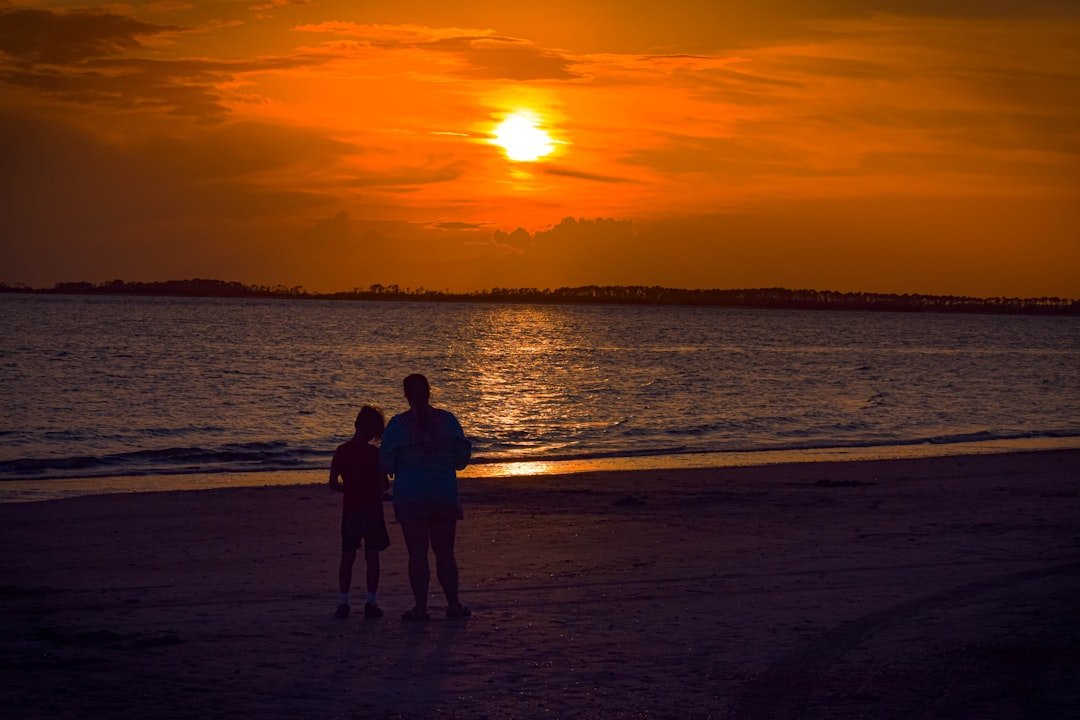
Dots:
(342, 611)
(372, 611)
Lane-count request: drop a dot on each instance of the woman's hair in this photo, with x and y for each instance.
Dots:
(418, 393)
(371, 418)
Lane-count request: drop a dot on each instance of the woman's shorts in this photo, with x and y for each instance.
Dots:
(365, 527)
(427, 513)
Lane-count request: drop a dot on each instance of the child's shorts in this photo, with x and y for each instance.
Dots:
(365, 527)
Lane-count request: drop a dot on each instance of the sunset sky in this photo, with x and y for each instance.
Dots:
(890, 146)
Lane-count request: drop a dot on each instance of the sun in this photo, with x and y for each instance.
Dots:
(522, 138)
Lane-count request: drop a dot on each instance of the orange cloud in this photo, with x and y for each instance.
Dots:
(390, 34)
(267, 8)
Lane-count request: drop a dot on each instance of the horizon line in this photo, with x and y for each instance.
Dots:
(779, 297)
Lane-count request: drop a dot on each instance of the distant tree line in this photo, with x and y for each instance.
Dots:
(590, 294)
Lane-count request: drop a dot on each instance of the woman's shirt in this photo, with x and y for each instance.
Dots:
(424, 458)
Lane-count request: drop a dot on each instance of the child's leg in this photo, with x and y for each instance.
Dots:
(345, 571)
(371, 557)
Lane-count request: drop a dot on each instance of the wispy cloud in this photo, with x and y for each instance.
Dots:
(582, 174)
(457, 225)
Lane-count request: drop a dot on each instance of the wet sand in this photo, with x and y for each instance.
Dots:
(942, 587)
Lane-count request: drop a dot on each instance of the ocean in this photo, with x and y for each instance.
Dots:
(97, 386)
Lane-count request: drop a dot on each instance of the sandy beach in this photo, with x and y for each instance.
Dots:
(929, 588)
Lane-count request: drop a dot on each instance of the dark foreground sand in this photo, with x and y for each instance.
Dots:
(934, 588)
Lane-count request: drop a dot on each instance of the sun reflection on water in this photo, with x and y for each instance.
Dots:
(528, 468)
(525, 365)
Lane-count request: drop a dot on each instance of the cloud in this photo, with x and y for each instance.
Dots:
(484, 54)
(266, 9)
(404, 178)
(457, 225)
(583, 175)
(200, 196)
(330, 232)
(882, 104)
(841, 67)
(220, 171)
(168, 6)
(969, 9)
(391, 35)
(508, 59)
(572, 240)
(84, 57)
(47, 36)
(180, 87)
(811, 243)
(731, 158)
(147, 88)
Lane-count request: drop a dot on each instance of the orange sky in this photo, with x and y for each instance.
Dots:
(883, 146)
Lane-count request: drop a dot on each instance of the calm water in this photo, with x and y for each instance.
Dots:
(107, 386)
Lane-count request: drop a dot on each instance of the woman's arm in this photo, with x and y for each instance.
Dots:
(461, 446)
(388, 448)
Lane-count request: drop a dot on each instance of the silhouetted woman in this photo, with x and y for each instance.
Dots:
(423, 449)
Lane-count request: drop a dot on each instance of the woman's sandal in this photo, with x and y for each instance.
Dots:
(415, 615)
(460, 611)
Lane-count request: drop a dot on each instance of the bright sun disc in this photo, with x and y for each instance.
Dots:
(522, 138)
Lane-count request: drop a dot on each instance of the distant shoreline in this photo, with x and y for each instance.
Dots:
(636, 295)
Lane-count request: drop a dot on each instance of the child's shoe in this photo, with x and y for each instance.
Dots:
(372, 611)
(343, 611)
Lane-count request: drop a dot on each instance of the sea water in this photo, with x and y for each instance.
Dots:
(109, 385)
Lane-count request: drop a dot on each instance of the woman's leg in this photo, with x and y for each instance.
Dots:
(417, 540)
(442, 542)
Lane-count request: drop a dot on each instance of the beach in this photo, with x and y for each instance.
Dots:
(935, 587)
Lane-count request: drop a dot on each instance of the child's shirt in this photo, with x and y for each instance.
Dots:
(358, 463)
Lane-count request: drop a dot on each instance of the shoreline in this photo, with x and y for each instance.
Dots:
(934, 587)
(113, 465)
(49, 489)
(46, 489)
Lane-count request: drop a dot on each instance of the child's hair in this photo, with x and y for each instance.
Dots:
(371, 418)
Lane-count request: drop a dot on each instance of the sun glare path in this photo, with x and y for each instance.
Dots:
(522, 138)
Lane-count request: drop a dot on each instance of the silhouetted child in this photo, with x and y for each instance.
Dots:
(356, 462)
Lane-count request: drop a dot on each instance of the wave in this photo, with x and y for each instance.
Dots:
(260, 455)
(981, 436)
(277, 455)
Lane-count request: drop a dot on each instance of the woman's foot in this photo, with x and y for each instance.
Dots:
(372, 611)
(458, 610)
(342, 611)
(415, 615)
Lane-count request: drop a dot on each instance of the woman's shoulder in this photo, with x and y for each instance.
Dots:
(399, 418)
(445, 416)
